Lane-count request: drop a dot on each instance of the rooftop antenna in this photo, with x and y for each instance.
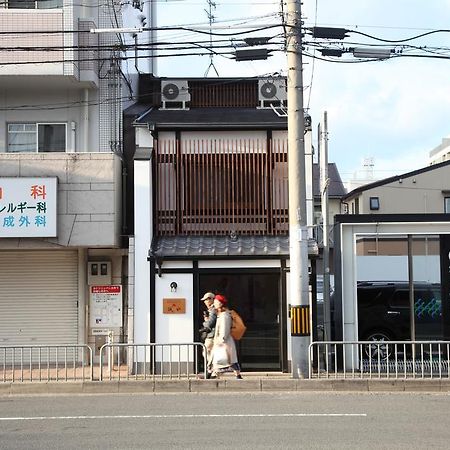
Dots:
(212, 19)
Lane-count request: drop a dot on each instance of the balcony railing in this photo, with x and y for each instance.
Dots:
(221, 186)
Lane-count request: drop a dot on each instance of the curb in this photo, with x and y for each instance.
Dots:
(223, 385)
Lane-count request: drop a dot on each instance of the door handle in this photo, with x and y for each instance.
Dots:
(394, 312)
(278, 318)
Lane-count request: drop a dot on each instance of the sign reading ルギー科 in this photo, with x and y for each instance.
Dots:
(28, 207)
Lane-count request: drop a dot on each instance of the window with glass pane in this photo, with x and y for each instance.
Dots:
(51, 137)
(31, 137)
(447, 205)
(21, 137)
(34, 4)
(21, 4)
(49, 4)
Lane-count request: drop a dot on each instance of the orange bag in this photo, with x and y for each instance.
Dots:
(238, 327)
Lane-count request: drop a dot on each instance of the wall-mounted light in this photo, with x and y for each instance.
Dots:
(173, 286)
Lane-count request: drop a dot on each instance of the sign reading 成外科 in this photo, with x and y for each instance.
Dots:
(28, 207)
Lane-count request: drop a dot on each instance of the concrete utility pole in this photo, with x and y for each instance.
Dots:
(324, 183)
(298, 232)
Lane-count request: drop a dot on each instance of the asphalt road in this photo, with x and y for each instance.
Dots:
(227, 421)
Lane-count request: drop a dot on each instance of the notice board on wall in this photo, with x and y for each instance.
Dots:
(105, 308)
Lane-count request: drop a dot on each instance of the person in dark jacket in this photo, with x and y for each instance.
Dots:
(208, 327)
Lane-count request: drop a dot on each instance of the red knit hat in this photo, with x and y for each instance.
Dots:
(221, 298)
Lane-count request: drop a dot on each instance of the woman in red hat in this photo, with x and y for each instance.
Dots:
(224, 351)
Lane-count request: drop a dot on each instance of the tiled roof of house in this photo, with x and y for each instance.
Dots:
(218, 118)
(192, 247)
(336, 188)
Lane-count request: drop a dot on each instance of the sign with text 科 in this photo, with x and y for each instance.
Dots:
(28, 207)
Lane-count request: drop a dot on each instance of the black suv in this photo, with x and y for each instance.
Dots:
(383, 311)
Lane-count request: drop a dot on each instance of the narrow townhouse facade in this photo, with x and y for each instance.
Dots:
(61, 177)
(211, 210)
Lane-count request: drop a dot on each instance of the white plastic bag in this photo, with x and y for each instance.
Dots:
(221, 356)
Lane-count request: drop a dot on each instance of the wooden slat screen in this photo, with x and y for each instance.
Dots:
(224, 94)
(219, 186)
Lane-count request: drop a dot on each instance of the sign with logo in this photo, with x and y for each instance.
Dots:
(174, 306)
(105, 308)
(28, 207)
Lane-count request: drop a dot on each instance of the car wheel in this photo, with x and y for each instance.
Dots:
(378, 350)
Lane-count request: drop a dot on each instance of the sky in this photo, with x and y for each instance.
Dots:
(394, 111)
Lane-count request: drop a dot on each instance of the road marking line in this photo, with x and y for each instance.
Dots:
(182, 416)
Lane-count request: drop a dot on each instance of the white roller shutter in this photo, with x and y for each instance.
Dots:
(38, 297)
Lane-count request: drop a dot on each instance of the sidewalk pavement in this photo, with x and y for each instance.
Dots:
(251, 383)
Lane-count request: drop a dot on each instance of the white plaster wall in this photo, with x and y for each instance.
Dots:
(235, 135)
(177, 265)
(280, 134)
(143, 237)
(219, 264)
(174, 328)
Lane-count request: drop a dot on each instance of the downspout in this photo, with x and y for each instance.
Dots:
(130, 322)
(124, 199)
(85, 120)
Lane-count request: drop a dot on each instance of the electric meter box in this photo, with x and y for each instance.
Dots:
(99, 273)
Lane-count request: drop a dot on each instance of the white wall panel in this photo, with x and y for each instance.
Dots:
(239, 264)
(174, 328)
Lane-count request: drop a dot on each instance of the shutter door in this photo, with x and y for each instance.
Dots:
(38, 297)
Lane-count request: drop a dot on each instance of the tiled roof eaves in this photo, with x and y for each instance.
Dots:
(210, 247)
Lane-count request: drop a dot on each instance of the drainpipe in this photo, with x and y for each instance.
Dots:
(130, 323)
(85, 121)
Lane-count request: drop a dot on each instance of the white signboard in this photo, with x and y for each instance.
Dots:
(28, 207)
(106, 308)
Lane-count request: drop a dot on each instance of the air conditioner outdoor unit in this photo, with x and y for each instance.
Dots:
(175, 94)
(272, 91)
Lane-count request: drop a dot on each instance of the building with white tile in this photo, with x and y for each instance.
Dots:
(60, 134)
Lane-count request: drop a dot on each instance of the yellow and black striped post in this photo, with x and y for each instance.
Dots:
(300, 325)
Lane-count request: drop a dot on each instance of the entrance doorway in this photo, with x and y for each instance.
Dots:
(256, 297)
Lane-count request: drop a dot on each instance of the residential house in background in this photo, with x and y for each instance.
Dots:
(211, 209)
(425, 190)
(60, 173)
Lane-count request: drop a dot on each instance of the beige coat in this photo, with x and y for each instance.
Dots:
(223, 336)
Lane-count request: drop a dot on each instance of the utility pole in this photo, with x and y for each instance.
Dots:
(324, 184)
(298, 232)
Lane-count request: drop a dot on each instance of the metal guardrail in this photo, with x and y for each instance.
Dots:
(45, 363)
(152, 361)
(382, 359)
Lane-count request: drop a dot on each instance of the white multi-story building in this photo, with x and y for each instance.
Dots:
(441, 153)
(60, 171)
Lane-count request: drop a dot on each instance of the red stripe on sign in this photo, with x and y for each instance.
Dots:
(105, 289)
